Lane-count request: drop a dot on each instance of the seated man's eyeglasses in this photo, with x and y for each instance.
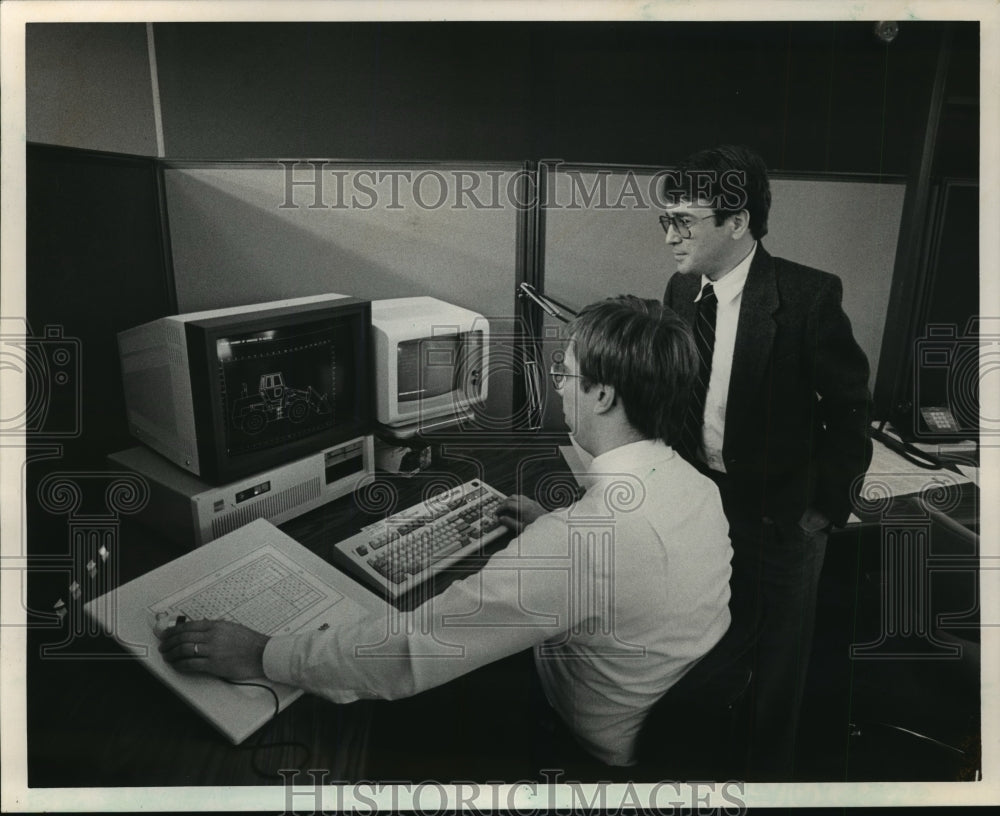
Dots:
(559, 375)
(681, 223)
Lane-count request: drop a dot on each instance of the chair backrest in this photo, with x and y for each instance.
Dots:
(703, 702)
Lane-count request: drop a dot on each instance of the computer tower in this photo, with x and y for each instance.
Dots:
(192, 513)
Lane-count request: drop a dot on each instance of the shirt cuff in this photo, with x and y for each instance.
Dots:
(277, 659)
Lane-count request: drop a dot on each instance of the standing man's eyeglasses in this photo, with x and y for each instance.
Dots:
(681, 223)
(559, 375)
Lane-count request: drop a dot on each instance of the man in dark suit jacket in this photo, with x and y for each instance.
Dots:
(780, 420)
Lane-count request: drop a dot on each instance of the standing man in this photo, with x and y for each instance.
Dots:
(778, 418)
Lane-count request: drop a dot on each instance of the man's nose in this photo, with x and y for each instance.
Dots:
(673, 236)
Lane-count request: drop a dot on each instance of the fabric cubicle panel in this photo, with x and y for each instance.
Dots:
(603, 239)
(245, 232)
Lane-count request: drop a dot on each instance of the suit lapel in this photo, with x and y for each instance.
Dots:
(754, 339)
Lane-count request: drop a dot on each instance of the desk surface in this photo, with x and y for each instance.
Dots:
(892, 486)
(96, 718)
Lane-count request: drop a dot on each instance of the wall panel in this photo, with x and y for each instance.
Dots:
(234, 242)
(88, 85)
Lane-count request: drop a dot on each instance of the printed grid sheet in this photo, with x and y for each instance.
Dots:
(264, 591)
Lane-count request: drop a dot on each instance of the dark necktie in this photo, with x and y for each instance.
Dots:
(704, 340)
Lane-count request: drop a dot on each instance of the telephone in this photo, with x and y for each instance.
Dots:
(939, 419)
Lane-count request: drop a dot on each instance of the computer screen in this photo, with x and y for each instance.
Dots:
(230, 392)
(431, 361)
(432, 367)
(282, 384)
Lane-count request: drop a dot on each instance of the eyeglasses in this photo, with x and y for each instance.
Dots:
(559, 375)
(681, 223)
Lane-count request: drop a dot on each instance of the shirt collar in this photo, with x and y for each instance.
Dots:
(730, 285)
(634, 457)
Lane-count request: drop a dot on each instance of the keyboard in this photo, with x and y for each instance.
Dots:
(263, 591)
(409, 548)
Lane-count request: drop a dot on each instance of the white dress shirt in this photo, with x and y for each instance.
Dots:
(729, 292)
(619, 594)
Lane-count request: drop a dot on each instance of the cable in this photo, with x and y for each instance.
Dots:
(259, 744)
(532, 387)
(909, 452)
(903, 447)
(917, 734)
(267, 688)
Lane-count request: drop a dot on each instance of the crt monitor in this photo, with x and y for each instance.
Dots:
(231, 392)
(431, 360)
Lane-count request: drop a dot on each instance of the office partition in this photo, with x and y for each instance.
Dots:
(246, 232)
(95, 266)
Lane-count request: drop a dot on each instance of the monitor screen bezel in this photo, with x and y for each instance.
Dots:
(216, 465)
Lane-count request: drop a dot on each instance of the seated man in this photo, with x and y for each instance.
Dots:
(618, 594)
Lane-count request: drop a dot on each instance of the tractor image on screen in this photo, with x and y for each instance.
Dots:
(275, 401)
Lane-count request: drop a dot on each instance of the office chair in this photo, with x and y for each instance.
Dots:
(699, 728)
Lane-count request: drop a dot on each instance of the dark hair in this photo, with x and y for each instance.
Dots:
(646, 352)
(730, 177)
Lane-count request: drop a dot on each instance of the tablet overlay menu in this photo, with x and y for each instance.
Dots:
(256, 576)
(264, 591)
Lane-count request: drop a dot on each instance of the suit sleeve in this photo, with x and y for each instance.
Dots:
(840, 379)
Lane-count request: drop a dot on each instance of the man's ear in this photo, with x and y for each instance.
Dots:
(741, 224)
(605, 399)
